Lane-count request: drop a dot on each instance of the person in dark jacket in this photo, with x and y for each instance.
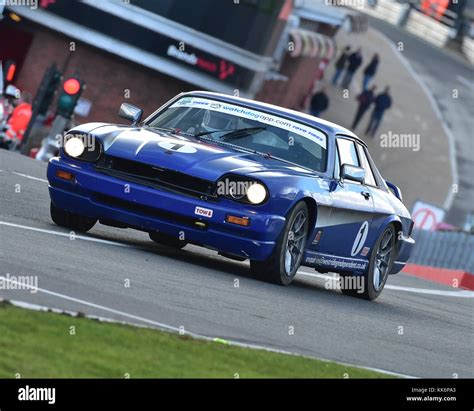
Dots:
(365, 99)
(370, 71)
(319, 103)
(354, 62)
(382, 102)
(341, 64)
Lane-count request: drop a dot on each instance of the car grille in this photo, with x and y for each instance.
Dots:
(151, 212)
(156, 177)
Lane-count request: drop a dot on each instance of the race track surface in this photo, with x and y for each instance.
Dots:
(408, 330)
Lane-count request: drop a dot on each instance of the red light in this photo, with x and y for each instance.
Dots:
(11, 72)
(72, 86)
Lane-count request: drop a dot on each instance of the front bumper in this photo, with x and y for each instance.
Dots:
(104, 197)
(404, 253)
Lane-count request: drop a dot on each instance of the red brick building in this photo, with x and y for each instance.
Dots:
(146, 52)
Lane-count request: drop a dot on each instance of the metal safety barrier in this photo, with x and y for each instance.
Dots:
(468, 48)
(442, 249)
(428, 28)
(425, 24)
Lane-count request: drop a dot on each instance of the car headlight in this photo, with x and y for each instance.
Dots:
(74, 147)
(84, 147)
(256, 193)
(241, 189)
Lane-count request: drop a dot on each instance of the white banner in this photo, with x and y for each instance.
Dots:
(244, 112)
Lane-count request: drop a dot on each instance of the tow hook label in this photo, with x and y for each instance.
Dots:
(203, 212)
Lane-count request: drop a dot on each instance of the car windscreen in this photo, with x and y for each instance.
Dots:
(248, 128)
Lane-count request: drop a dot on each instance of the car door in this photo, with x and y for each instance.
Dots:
(380, 195)
(347, 226)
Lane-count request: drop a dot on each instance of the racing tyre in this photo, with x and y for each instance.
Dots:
(380, 264)
(168, 240)
(72, 221)
(283, 264)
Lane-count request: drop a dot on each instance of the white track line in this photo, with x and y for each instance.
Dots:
(465, 82)
(459, 294)
(176, 329)
(89, 304)
(77, 237)
(443, 293)
(30, 177)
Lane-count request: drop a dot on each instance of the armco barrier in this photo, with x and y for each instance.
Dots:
(441, 249)
(418, 23)
(427, 28)
(468, 48)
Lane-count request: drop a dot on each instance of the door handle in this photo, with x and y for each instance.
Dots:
(366, 194)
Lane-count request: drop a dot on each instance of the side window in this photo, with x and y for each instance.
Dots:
(347, 152)
(369, 175)
(337, 166)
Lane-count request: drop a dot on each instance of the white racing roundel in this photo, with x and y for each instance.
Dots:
(360, 239)
(178, 147)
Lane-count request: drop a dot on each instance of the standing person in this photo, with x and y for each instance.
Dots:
(370, 71)
(341, 64)
(365, 99)
(382, 102)
(319, 103)
(355, 60)
(20, 117)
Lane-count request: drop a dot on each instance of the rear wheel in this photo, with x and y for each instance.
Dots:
(71, 221)
(168, 240)
(381, 261)
(286, 258)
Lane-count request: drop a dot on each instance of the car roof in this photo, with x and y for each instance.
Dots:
(324, 125)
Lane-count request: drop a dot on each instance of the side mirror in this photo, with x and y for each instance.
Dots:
(353, 173)
(130, 112)
(395, 190)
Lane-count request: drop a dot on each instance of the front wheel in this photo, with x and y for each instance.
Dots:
(380, 264)
(71, 221)
(167, 240)
(286, 258)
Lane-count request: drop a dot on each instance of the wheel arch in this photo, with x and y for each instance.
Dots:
(397, 225)
(312, 213)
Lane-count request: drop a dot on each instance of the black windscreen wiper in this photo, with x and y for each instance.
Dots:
(170, 130)
(205, 133)
(242, 132)
(231, 132)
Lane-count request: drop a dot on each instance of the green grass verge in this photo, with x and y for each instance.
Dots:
(39, 345)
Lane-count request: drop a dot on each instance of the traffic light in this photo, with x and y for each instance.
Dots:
(48, 88)
(9, 70)
(70, 94)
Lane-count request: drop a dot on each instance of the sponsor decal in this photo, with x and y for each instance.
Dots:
(360, 238)
(365, 251)
(203, 212)
(179, 147)
(260, 116)
(334, 262)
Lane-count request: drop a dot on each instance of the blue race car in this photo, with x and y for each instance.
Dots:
(247, 179)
